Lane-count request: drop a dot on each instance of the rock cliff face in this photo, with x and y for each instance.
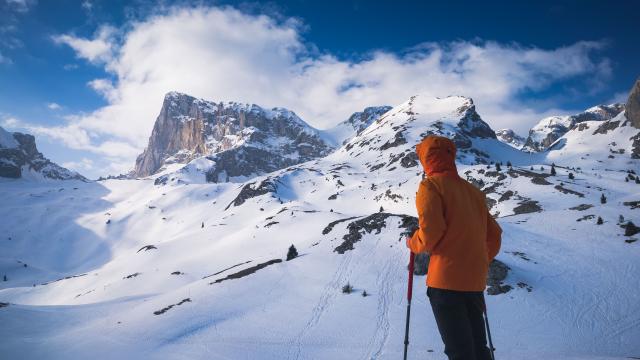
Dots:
(256, 139)
(632, 111)
(509, 137)
(550, 129)
(19, 155)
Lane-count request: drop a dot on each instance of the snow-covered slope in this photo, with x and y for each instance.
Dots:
(549, 129)
(19, 158)
(196, 271)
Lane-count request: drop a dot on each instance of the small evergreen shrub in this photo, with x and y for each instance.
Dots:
(292, 253)
(347, 289)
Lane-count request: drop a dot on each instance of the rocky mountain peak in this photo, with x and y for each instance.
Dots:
(510, 138)
(632, 111)
(389, 142)
(20, 157)
(237, 139)
(550, 129)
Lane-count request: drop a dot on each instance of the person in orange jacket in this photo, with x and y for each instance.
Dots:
(462, 238)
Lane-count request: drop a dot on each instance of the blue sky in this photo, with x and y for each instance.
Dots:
(87, 77)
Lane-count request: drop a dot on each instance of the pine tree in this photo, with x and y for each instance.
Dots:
(509, 164)
(531, 168)
(202, 226)
(364, 293)
(381, 209)
(498, 167)
(292, 253)
(603, 199)
(637, 180)
(553, 169)
(347, 289)
(620, 219)
(4, 278)
(571, 176)
(599, 222)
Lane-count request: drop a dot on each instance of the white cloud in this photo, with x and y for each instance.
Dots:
(222, 54)
(10, 122)
(83, 165)
(87, 5)
(5, 60)
(96, 50)
(20, 5)
(54, 106)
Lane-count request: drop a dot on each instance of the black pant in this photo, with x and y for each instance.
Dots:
(459, 315)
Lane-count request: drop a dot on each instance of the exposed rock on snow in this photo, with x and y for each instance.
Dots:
(368, 224)
(497, 274)
(19, 157)
(527, 206)
(251, 190)
(581, 207)
(247, 271)
(164, 310)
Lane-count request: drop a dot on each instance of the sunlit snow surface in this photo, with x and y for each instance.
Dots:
(583, 278)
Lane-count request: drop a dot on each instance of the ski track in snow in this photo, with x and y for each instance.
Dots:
(386, 276)
(330, 291)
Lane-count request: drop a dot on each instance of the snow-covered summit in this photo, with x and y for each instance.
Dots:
(354, 125)
(390, 141)
(550, 129)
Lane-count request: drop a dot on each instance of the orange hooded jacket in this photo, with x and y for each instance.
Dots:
(455, 225)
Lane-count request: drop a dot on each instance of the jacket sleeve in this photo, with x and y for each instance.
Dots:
(494, 235)
(431, 222)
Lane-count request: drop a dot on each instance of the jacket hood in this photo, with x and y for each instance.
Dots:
(437, 155)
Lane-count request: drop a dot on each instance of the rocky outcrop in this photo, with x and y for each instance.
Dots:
(19, 154)
(510, 138)
(632, 110)
(550, 129)
(260, 140)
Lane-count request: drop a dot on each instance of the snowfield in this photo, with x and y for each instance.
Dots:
(194, 270)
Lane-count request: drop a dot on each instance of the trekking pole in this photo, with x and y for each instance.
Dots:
(409, 293)
(486, 323)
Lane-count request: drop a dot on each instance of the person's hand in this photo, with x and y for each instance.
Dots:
(408, 242)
